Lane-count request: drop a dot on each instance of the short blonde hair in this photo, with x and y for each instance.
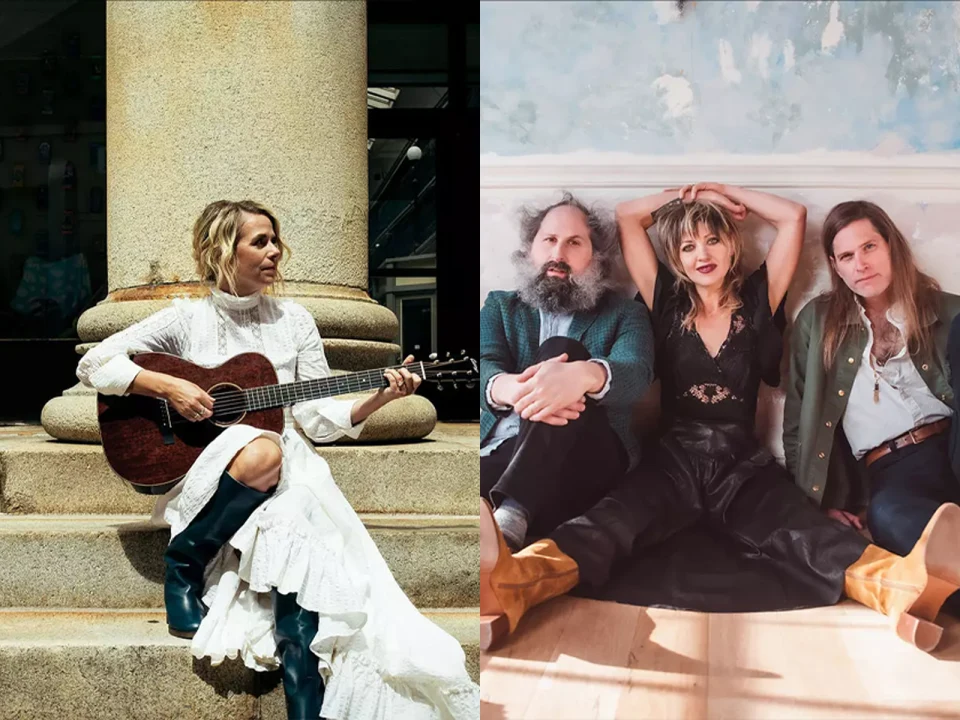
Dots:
(676, 225)
(215, 235)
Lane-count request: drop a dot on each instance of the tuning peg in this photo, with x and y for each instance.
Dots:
(433, 356)
(448, 354)
(454, 384)
(439, 387)
(471, 385)
(463, 352)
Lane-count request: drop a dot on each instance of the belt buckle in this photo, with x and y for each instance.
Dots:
(913, 437)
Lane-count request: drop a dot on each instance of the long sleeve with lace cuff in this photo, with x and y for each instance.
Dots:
(115, 376)
(327, 419)
(107, 367)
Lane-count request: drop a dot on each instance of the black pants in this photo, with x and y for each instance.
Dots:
(715, 475)
(556, 472)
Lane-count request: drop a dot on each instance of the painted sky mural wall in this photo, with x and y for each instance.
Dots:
(732, 77)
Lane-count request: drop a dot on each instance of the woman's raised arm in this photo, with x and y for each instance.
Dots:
(634, 217)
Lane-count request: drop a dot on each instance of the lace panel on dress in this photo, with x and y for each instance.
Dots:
(710, 393)
(246, 319)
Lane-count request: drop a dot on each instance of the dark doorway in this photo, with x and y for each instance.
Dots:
(53, 259)
(424, 141)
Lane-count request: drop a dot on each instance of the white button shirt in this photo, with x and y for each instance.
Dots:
(905, 400)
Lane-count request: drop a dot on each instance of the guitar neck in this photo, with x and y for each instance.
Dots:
(286, 394)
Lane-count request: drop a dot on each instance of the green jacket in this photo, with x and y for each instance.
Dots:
(618, 331)
(816, 449)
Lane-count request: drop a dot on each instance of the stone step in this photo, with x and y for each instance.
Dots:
(122, 664)
(116, 561)
(437, 475)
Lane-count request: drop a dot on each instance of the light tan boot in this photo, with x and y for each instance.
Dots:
(512, 584)
(910, 590)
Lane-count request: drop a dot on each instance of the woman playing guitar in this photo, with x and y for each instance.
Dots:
(294, 576)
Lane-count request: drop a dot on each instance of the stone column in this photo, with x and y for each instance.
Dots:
(233, 100)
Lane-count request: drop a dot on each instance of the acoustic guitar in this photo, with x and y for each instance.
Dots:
(151, 446)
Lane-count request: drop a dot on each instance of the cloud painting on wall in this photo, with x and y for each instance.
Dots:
(732, 77)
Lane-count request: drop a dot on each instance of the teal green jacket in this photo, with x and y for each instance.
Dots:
(618, 331)
(816, 449)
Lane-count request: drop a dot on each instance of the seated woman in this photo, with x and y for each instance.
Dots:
(712, 522)
(867, 421)
(267, 560)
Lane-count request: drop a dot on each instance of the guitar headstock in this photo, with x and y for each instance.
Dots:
(455, 371)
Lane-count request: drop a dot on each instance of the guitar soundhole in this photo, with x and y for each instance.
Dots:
(228, 404)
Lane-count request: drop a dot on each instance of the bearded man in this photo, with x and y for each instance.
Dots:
(562, 361)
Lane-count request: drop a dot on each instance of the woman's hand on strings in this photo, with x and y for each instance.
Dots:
(188, 399)
(402, 382)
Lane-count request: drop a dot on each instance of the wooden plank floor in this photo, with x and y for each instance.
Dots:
(574, 658)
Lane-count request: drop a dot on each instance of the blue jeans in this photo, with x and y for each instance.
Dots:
(906, 488)
(908, 485)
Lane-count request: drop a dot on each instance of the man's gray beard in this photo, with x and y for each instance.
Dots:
(560, 295)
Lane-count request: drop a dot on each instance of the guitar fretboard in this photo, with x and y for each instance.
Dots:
(270, 396)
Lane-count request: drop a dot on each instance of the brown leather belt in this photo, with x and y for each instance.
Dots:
(913, 437)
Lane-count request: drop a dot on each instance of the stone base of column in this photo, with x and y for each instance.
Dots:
(357, 335)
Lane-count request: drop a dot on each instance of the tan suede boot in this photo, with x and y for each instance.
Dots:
(910, 590)
(512, 584)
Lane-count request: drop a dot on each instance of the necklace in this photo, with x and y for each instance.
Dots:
(876, 378)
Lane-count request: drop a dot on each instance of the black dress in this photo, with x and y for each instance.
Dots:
(724, 388)
(710, 521)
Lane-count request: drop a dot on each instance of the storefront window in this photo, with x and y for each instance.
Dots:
(53, 262)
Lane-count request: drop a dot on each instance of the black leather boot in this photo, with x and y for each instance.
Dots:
(302, 684)
(189, 552)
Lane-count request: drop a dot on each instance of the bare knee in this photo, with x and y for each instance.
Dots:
(257, 464)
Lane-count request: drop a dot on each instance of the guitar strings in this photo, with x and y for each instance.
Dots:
(251, 394)
(237, 400)
(239, 404)
(236, 403)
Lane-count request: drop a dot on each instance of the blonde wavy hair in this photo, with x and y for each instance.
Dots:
(676, 225)
(215, 235)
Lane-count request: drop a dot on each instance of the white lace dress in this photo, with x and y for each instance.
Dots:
(380, 657)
